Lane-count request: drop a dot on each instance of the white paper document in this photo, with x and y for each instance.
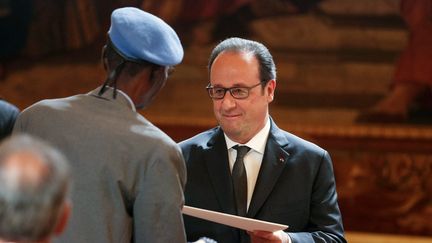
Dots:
(233, 220)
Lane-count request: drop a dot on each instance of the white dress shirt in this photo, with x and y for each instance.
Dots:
(252, 162)
(252, 159)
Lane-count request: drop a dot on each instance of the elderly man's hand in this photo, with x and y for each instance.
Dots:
(269, 237)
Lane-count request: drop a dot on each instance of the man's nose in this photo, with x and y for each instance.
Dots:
(228, 101)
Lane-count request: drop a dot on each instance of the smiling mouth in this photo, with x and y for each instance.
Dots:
(231, 116)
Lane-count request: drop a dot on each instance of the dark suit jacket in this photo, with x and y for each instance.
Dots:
(295, 186)
(8, 115)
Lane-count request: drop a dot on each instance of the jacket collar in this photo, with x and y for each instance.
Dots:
(122, 98)
(274, 161)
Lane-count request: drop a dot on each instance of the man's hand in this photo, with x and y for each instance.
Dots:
(269, 237)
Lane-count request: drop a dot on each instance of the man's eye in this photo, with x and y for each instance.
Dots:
(239, 91)
(218, 91)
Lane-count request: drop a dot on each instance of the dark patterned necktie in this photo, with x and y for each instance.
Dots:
(240, 180)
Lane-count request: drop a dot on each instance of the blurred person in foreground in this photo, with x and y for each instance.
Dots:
(129, 175)
(34, 179)
(247, 166)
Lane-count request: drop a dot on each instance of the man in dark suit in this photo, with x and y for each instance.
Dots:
(8, 115)
(288, 180)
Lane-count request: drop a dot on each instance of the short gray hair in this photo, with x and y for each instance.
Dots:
(267, 67)
(30, 207)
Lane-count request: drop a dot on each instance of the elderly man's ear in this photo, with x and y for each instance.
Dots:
(159, 74)
(63, 218)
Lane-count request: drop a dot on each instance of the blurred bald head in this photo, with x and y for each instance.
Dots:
(34, 178)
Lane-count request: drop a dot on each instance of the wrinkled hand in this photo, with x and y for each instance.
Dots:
(268, 237)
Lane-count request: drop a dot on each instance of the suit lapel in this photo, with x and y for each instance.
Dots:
(216, 159)
(274, 160)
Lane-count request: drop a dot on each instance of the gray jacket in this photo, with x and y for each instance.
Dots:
(128, 175)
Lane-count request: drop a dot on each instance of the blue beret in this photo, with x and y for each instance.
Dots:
(142, 36)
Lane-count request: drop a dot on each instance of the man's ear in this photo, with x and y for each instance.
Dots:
(271, 87)
(63, 218)
(104, 58)
(158, 74)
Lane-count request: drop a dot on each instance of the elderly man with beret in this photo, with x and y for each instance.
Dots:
(128, 175)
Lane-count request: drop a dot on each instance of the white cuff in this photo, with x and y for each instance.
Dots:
(284, 236)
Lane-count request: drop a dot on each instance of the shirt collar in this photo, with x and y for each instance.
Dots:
(257, 143)
(129, 100)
